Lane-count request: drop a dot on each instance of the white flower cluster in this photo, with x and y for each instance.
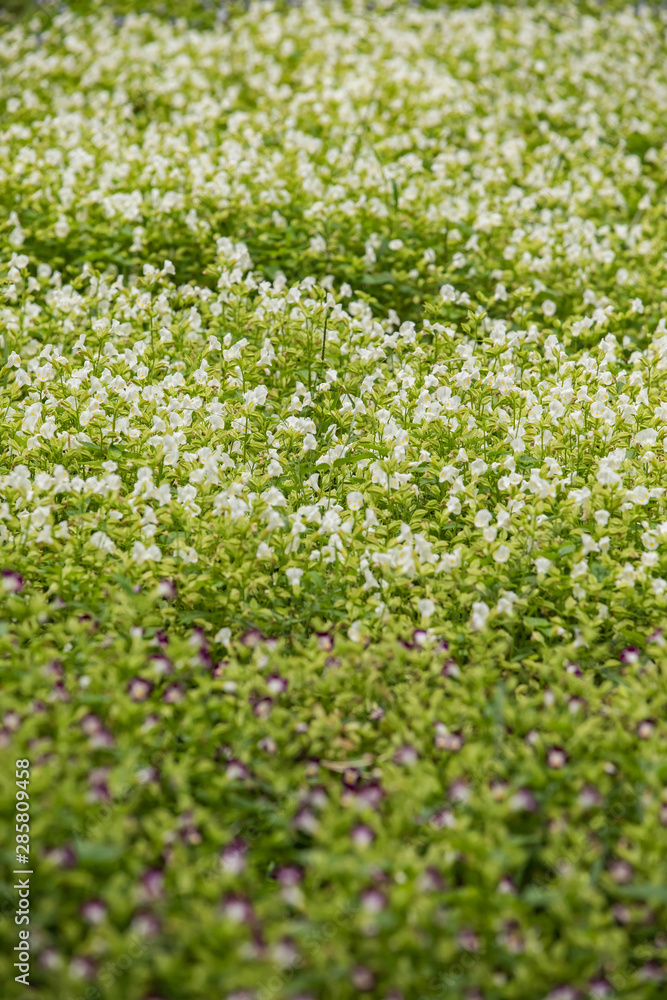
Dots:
(464, 415)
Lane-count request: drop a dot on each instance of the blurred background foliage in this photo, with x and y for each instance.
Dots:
(206, 13)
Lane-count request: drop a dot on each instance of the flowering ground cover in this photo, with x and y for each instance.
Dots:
(333, 518)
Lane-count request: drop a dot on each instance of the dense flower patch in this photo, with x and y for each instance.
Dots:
(333, 522)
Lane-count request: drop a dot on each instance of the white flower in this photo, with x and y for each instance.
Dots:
(483, 518)
(542, 564)
(502, 554)
(101, 541)
(640, 495)
(549, 307)
(426, 607)
(223, 636)
(480, 612)
(294, 576)
(141, 554)
(355, 500)
(505, 605)
(355, 632)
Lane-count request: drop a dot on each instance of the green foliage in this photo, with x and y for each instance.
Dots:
(332, 500)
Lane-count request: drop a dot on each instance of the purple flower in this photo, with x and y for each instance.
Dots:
(451, 669)
(62, 857)
(12, 581)
(99, 791)
(325, 641)
(82, 967)
(650, 972)
(363, 979)
(161, 664)
(252, 638)
(317, 796)
(50, 959)
(139, 688)
(237, 909)
(621, 872)
(188, 832)
(420, 637)
(102, 738)
(430, 880)
(445, 740)
(563, 993)
(167, 589)
(161, 639)
(289, 875)
(645, 729)
(511, 937)
(523, 800)
(556, 758)
(284, 952)
(574, 668)
(152, 884)
(506, 886)
(94, 911)
(459, 791)
(59, 692)
(351, 776)
(372, 900)
(377, 714)
(370, 795)
(362, 835)
(236, 770)
(262, 707)
(589, 797)
(630, 655)
(305, 820)
(146, 925)
(268, 745)
(233, 857)
(406, 755)
(174, 694)
(276, 684)
(443, 819)
(468, 940)
(219, 669)
(657, 637)
(599, 989)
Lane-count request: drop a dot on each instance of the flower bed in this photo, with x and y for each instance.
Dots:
(332, 502)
